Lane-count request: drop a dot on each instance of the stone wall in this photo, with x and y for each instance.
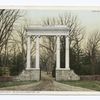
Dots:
(29, 74)
(90, 77)
(64, 74)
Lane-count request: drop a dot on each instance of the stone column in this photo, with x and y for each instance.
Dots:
(28, 53)
(58, 53)
(67, 53)
(37, 52)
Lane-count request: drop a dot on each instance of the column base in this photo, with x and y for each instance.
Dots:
(65, 74)
(29, 74)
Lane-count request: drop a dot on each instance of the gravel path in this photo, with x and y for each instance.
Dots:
(47, 83)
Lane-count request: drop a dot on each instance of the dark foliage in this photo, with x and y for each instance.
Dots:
(17, 66)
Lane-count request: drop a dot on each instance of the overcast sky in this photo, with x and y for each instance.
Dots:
(89, 19)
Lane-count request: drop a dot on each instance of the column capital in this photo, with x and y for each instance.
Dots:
(28, 35)
(58, 36)
(67, 35)
(37, 36)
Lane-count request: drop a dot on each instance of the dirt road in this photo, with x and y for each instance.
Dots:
(47, 83)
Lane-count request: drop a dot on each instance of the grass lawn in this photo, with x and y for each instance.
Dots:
(15, 83)
(94, 85)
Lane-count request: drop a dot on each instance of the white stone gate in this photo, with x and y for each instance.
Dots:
(61, 73)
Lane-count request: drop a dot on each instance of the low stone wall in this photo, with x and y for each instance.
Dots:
(6, 78)
(64, 74)
(29, 74)
(90, 77)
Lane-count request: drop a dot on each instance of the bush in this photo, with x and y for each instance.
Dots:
(85, 70)
(13, 70)
(18, 66)
(0, 71)
(4, 71)
(6, 78)
(53, 72)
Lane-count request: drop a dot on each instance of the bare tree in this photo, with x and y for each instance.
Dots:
(92, 49)
(76, 33)
(49, 45)
(7, 20)
(22, 42)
